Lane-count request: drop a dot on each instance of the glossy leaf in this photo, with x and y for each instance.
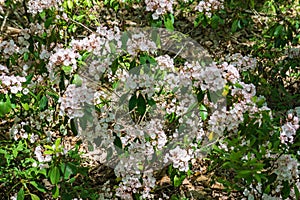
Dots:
(54, 175)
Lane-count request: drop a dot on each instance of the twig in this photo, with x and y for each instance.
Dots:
(82, 25)
(4, 21)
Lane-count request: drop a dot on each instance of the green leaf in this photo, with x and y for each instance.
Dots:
(38, 186)
(67, 69)
(5, 107)
(279, 30)
(48, 22)
(118, 142)
(54, 175)
(198, 20)
(245, 173)
(20, 195)
(141, 105)
(285, 192)
(26, 56)
(43, 103)
(70, 4)
(297, 193)
(268, 189)
(73, 127)
(177, 181)
(34, 197)
(215, 21)
(132, 102)
(234, 25)
(174, 197)
(124, 39)
(66, 170)
(89, 3)
(203, 112)
(57, 143)
(55, 192)
(169, 21)
(77, 80)
(48, 147)
(48, 152)
(257, 177)
(25, 106)
(78, 18)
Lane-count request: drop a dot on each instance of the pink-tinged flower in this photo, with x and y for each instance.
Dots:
(208, 6)
(160, 7)
(179, 157)
(37, 6)
(288, 131)
(3, 68)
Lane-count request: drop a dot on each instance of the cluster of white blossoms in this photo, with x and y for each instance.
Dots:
(207, 78)
(212, 79)
(209, 6)
(63, 57)
(143, 139)
(288, 130)
(158, 136)
(242, 63)
(144, 82)
(40, 156)
(37, 6)
(21, 45)
(139, 42)
(10, 83)
(180, 158)
(99, 42)
(132, 185)
(230, 119)
(8, 48)
(286, 169)
(73, 101)
(230, 72)
(160, 7)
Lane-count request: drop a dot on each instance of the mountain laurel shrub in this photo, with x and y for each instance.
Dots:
(51, 50)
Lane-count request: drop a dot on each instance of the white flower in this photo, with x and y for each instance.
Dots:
(179, 158)
(15, 89)
(25, 91)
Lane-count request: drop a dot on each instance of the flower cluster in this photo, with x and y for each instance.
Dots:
(40, 156)
(63, 57)
(72, 103)
(207, 78)
(18, 131)
(286, 170)
(131, 185)
(159, 6)
(209, 6)
(158, 137)
(140, 42)
(37, 6)
(10, 83)
(288, 130)
(179, 158)
(212, 79)
(144, 82)
(242, 63)
(230, 72)
(105, 47)
(8, 48)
